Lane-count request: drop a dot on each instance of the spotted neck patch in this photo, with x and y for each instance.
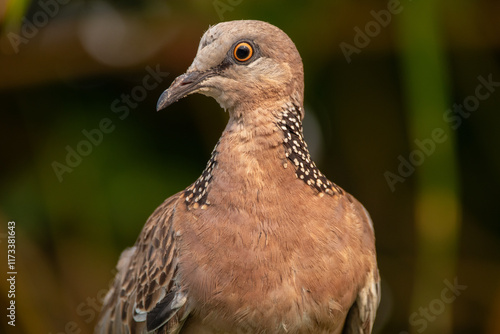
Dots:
(196, 194)
(297, 153)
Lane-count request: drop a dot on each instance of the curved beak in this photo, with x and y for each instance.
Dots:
(182, 86)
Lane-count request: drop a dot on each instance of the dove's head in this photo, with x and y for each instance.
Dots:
(243, 65)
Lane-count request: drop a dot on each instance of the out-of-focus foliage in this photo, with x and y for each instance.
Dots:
(382, 79)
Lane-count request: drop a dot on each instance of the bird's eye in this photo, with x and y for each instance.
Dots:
(243, 51)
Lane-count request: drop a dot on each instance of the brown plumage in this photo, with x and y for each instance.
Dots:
(262, 242)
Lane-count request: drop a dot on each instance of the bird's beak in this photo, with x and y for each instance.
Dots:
(182, 86)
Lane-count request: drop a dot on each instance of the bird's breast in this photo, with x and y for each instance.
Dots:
(267, 260)
(266, 250)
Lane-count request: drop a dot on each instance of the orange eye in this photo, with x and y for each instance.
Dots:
(243, 51)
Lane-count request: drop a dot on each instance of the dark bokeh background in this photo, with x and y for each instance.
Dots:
(67, 67)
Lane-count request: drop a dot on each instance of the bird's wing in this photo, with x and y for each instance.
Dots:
(362, 313)
(146, 294)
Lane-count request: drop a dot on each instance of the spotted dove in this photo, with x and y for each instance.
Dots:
(262, 242)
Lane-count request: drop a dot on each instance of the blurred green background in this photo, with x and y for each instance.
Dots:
(402, 110)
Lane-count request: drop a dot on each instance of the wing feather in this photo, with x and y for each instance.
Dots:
(146, 295)
(362, 313)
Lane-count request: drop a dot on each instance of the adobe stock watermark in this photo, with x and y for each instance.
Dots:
(436, 307)
(454, 117)
(30, 28)
(88, 309)
(121, 107)
(363, 37)
(222, 6)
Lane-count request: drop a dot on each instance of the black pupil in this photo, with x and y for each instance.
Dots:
(242, 52)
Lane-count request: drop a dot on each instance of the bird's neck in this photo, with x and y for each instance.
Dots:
(258, 153)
